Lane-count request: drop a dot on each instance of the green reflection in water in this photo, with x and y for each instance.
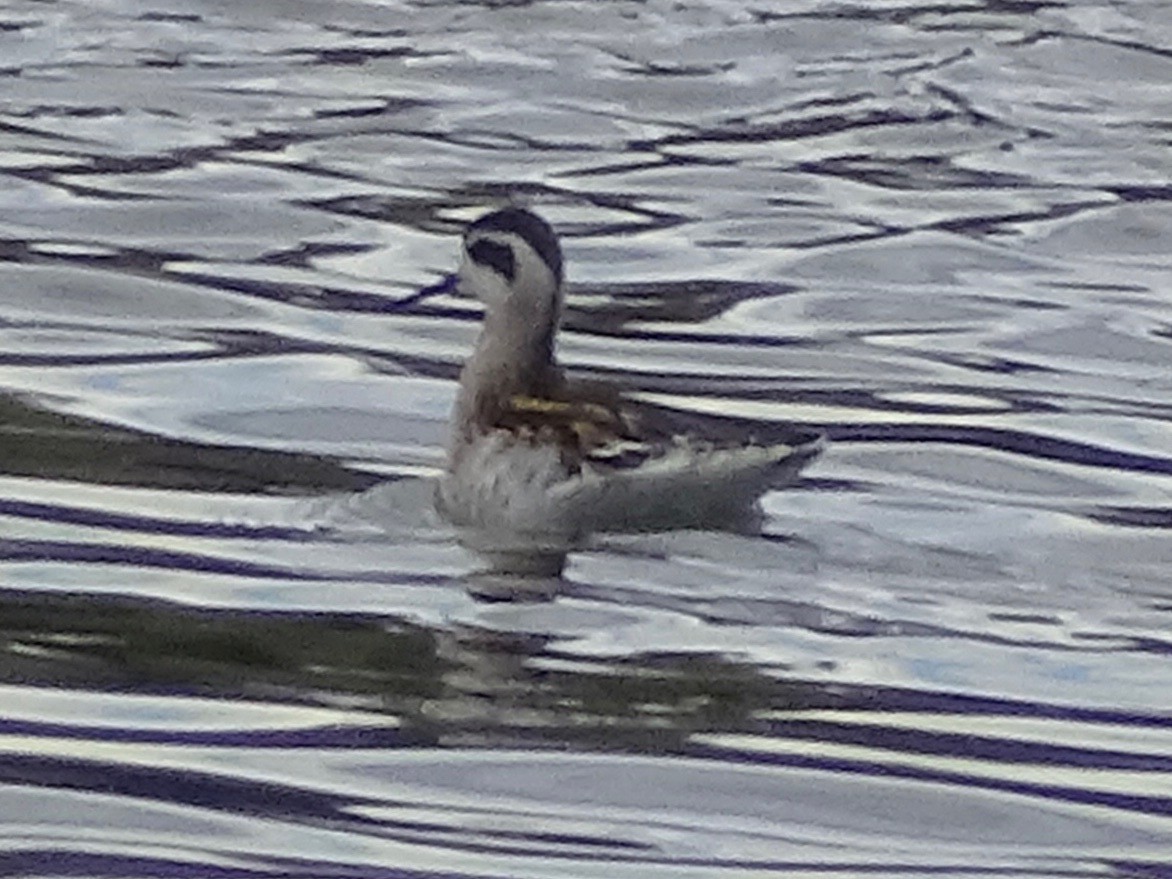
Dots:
(455, 687)
(39, 443)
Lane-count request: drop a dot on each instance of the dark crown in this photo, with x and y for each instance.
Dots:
(529, 227)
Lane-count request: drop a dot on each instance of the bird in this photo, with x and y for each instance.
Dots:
(537, 456)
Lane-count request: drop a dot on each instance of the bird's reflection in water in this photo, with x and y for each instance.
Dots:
(516, 567)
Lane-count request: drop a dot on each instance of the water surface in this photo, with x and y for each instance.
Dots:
(238, 642)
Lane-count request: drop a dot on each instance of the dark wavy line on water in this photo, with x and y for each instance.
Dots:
(795, 129)
(95, 518)
(203, 790)
(141, 557)
(136, 359)
(280, 801)
(54, 862)
(1147, 805)
(1001, 751)
(183, 787)
(308, 296)
(1141, 869)
(1031, 445)
(332, 736)
(261, 346)
(895, 699)
(1132, 517)
(862, 626)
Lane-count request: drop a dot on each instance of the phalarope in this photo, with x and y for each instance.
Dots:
(529, 454)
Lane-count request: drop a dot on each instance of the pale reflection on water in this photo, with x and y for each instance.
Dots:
(236, 637)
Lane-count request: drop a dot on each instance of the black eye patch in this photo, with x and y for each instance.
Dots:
(498, 257)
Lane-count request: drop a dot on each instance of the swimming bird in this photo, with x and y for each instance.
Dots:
(531, 453)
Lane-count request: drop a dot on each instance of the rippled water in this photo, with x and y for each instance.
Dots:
(236, 640)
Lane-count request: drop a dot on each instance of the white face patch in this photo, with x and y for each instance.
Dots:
(501, 267)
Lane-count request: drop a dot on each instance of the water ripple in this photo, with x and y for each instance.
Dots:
(234, 637)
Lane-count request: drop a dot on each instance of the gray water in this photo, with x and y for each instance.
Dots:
(236, 641)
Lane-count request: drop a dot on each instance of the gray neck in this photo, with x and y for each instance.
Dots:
(514, 356)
